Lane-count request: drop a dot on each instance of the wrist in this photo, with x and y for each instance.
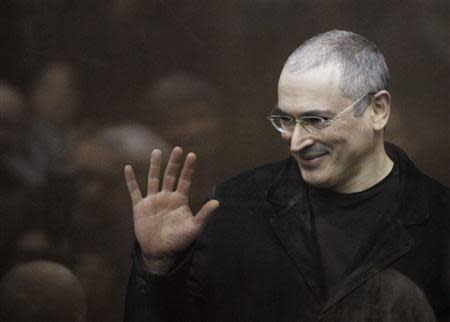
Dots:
(158, 266)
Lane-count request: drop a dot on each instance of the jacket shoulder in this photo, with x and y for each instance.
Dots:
(445, 202)
(439, 201)
(251, 184)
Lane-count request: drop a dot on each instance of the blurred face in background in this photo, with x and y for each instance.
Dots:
(191, 125)
(55, 94)
(98, 175)
(185, 110)
(13, 120)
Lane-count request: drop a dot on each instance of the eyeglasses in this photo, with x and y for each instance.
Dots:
(285, 123)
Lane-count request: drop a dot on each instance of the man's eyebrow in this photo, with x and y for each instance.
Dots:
(278, 111)
(314, 112)
(318, 112)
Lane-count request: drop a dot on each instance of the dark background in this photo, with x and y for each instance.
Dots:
(119, 48)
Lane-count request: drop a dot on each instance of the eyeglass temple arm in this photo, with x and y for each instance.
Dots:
(350, 106)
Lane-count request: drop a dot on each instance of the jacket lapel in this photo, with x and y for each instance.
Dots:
(392, 239)
(390, 243)
(293, 226)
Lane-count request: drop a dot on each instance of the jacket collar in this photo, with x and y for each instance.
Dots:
(288, 187)
(414, 189)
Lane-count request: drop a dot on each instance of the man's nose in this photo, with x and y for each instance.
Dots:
(300, 138)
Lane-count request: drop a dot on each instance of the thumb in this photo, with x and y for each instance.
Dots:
(205, 213)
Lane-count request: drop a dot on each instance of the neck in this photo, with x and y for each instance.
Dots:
(374, 169)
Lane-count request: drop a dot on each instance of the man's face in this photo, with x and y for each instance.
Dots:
(337, 157)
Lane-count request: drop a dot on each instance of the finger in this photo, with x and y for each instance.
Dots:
(154, 171)
(205, 213)
(172, 169)
(133, 187)
(187, 173)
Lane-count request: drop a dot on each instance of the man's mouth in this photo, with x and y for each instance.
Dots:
(311, 156)
(310, 161)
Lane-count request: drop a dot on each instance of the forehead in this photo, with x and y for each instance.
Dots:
(316, 89)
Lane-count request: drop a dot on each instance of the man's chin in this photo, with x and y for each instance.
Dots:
(318, 184)
(315, 178)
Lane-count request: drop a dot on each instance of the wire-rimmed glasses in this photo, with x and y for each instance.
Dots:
(286, 123)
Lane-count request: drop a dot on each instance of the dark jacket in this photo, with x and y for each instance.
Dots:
(257, 259)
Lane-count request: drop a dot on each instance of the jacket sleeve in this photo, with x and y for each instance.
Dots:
(156, 298)
(444, 316)
(176, 296)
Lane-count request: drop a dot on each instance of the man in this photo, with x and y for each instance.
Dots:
(183, 109)
(21, 177)
(347, 229)
(100, 236)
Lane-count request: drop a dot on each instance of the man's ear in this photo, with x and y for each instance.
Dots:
(381, 109)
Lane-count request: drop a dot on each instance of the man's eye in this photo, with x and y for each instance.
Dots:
(287, 118)
(315, 119)
(283, 118)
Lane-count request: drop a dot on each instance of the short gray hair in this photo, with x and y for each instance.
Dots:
(362, 66)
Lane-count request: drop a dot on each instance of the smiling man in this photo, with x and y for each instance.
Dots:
(333, 149)
(347, 229)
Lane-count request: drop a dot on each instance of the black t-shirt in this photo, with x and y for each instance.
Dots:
(344, 223)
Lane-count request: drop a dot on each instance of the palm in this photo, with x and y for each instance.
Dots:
(163, 224)
(163, 221)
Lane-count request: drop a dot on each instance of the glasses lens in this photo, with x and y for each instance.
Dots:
(283, 124)
(314, 123)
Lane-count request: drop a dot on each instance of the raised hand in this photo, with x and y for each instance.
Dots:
(163, 221)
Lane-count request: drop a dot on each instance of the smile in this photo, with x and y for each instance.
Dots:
(311, 160)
